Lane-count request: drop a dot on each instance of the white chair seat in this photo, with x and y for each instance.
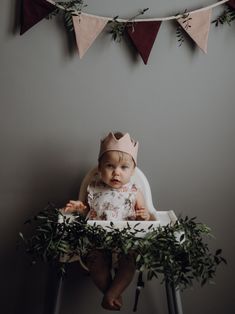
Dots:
(163, 217)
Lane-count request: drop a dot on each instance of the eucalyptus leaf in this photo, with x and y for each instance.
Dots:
(159, 252)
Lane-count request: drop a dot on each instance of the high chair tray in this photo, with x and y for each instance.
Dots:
(133, 224)
(163, 218)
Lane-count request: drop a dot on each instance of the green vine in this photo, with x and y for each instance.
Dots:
(177, 253)
(226, 17)
(117, 28)
(53, 13)
(180, 31)
(68, 9)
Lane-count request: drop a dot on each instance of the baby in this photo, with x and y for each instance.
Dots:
(112, 196)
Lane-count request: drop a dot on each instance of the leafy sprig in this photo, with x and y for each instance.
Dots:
(180, 30)
(68, 9)
(72, 8)
(226, 17)
(118, 28)
(177, 253)
(53, 13)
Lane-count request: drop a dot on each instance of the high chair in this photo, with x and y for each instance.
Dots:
(163, 218)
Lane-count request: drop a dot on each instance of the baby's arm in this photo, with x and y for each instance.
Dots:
(76, 206)
(142, 212)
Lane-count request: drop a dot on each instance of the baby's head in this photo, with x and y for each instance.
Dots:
(117, 159)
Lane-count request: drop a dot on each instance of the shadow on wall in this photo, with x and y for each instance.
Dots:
(51, 175)
(14, 17)
(54, 176)
(47, 174)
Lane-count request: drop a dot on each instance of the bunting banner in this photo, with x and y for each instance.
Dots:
(141, 32)
(231, 3)
(86, 29)
(33, 11)
(197, 26)
(143, 35)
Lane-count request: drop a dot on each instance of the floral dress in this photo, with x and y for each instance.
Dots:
(107, 203)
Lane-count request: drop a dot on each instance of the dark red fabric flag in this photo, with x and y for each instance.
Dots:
(143, 35)
(33, 11)
(231, 3)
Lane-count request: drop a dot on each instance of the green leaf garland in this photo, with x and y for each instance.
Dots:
(117, 28)
(180, 31)
(177, 253)
(226, 17)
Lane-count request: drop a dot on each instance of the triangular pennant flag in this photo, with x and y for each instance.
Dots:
(87, 28)
(143, 35)
(33, 11)
(197, 27)
(231, 3)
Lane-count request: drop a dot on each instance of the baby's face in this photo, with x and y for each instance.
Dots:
(116, 168)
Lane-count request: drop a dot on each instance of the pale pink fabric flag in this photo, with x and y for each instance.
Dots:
(199, 27)
(87, 28)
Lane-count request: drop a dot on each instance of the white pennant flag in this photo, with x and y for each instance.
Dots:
(197, 26)
(87, 28)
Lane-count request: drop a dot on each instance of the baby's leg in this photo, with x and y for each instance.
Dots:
(99, 264)
(121, 281)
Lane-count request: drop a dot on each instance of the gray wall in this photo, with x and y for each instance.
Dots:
(55, 108)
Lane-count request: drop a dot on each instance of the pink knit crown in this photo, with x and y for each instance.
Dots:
(125, 144)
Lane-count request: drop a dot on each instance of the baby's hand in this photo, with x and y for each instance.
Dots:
(75, 206)
(142, 214)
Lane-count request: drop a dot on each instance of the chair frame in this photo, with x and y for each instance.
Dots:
(166, 217)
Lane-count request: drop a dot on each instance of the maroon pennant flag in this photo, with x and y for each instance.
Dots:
(33, 11)
(143, 35)
(231, 3)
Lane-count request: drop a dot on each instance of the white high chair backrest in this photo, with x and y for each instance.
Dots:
(163, 217)
(138, 178)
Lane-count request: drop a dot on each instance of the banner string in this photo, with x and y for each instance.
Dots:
(174, 17)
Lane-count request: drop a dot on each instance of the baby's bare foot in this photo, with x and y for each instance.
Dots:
(118, 301)
(111, 302)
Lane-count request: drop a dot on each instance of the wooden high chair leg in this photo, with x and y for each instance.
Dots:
(53, 291)
(58, 297)
(177, 301)
(170, 300)
(173, 299)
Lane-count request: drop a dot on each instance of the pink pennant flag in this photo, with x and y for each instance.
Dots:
(197, 27)
(33, 11)
(86, 29)
(143, 35)
(231, 3)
